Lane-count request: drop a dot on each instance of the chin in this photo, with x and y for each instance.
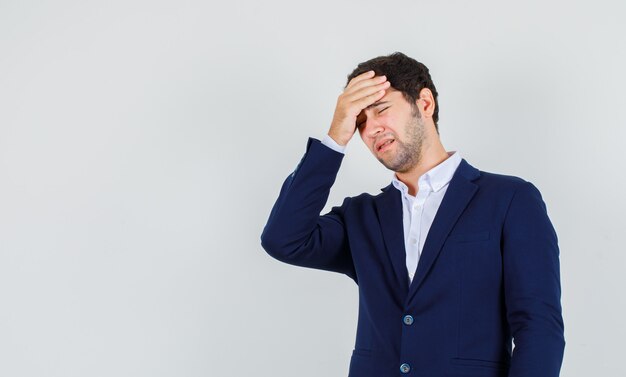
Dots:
(387, 165)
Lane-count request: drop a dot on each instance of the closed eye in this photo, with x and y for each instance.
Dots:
(360, 124)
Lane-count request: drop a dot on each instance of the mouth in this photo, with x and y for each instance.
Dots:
(385, 145)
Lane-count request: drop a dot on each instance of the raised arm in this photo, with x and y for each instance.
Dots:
(295, 232)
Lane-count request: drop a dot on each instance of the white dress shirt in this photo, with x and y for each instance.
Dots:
(418, 212)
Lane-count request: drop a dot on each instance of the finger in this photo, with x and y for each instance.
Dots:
(365, 83)
(361, 77)
(370, 99)
(366, 91)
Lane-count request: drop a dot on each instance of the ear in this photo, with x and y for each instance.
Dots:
(426, 103)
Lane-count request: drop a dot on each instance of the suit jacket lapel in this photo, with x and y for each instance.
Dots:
(459, 193)
(389, 211)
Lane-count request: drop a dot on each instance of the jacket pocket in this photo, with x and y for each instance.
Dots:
(469, 237)
(479, 363)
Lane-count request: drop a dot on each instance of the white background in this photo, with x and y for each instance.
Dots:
(143, 143)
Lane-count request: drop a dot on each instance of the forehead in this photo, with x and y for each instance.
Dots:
(391, 97)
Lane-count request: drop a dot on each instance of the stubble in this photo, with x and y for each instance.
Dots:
(409, 153)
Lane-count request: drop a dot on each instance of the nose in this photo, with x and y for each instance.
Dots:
(372, 127)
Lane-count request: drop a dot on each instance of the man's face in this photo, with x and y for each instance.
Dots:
(393, 119)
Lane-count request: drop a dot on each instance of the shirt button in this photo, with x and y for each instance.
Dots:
(405, 368)
(413, 241)
(408, 320)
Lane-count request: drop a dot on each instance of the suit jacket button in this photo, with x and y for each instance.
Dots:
(408, 320)
(405, 368)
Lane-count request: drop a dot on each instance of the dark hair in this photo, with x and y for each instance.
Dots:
(405, 74)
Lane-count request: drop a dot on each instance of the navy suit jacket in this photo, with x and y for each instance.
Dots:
(488, 273)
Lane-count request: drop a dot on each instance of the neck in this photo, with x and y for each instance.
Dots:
(433, 153)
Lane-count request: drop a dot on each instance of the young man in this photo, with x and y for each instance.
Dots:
(452, 263)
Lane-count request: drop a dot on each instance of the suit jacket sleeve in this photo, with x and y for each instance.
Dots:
(295, 232)
(532, 286)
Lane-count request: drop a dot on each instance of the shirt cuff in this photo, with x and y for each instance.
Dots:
(332, 144)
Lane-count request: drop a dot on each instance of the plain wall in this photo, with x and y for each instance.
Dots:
(143, 143)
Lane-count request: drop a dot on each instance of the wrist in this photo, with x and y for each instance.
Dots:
(337, 140)
(332, 144)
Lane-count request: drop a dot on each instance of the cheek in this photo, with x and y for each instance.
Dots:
(388, 120)
(392, 125)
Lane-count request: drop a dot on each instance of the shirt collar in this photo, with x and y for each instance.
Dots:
(436, 178)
